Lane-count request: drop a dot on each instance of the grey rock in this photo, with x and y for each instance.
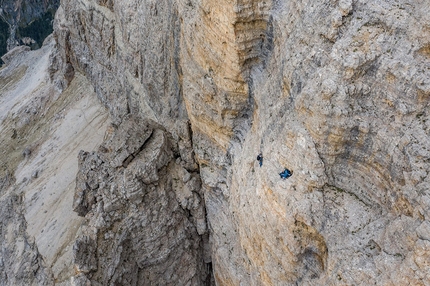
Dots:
(337, 91)
(27, 152)
(84, 254)
(144, 235)
(7, 58)
(35, 174)
(21, 263)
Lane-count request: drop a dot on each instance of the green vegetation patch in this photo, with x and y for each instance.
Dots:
(38, 30)
(4, 34)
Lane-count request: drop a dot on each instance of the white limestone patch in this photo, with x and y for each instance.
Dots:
(46, 177)
(49, 196)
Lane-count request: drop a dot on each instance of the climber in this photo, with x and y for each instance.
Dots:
(260, 159)
(286, 174)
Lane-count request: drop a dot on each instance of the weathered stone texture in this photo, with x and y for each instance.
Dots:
(336, 91)
(144, 210)
(41, 133)
(343, 101)
(20, 261)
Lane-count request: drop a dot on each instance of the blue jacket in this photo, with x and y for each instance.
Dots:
(285, 174)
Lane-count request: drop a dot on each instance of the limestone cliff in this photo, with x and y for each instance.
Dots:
(336, 91)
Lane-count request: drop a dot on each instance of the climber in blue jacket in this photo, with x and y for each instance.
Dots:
(286, 174)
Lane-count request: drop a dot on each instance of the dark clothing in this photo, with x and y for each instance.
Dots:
(260, 159)
(286, 174)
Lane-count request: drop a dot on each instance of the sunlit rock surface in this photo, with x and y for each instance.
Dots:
(336, 91)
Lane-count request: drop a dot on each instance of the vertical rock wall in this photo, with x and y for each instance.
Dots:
(336, 91)
(154, 222)
(342, 101)
(220, 43)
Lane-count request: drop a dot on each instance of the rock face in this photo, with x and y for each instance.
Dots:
(336, 91)
(344, 103)
(21, 263)
(144, 211)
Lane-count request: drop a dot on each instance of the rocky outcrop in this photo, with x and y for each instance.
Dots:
(144, 210)
(21, 263)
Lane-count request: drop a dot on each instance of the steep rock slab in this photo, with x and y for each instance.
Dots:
(342, 102)
(49, 174)
(133, 70)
